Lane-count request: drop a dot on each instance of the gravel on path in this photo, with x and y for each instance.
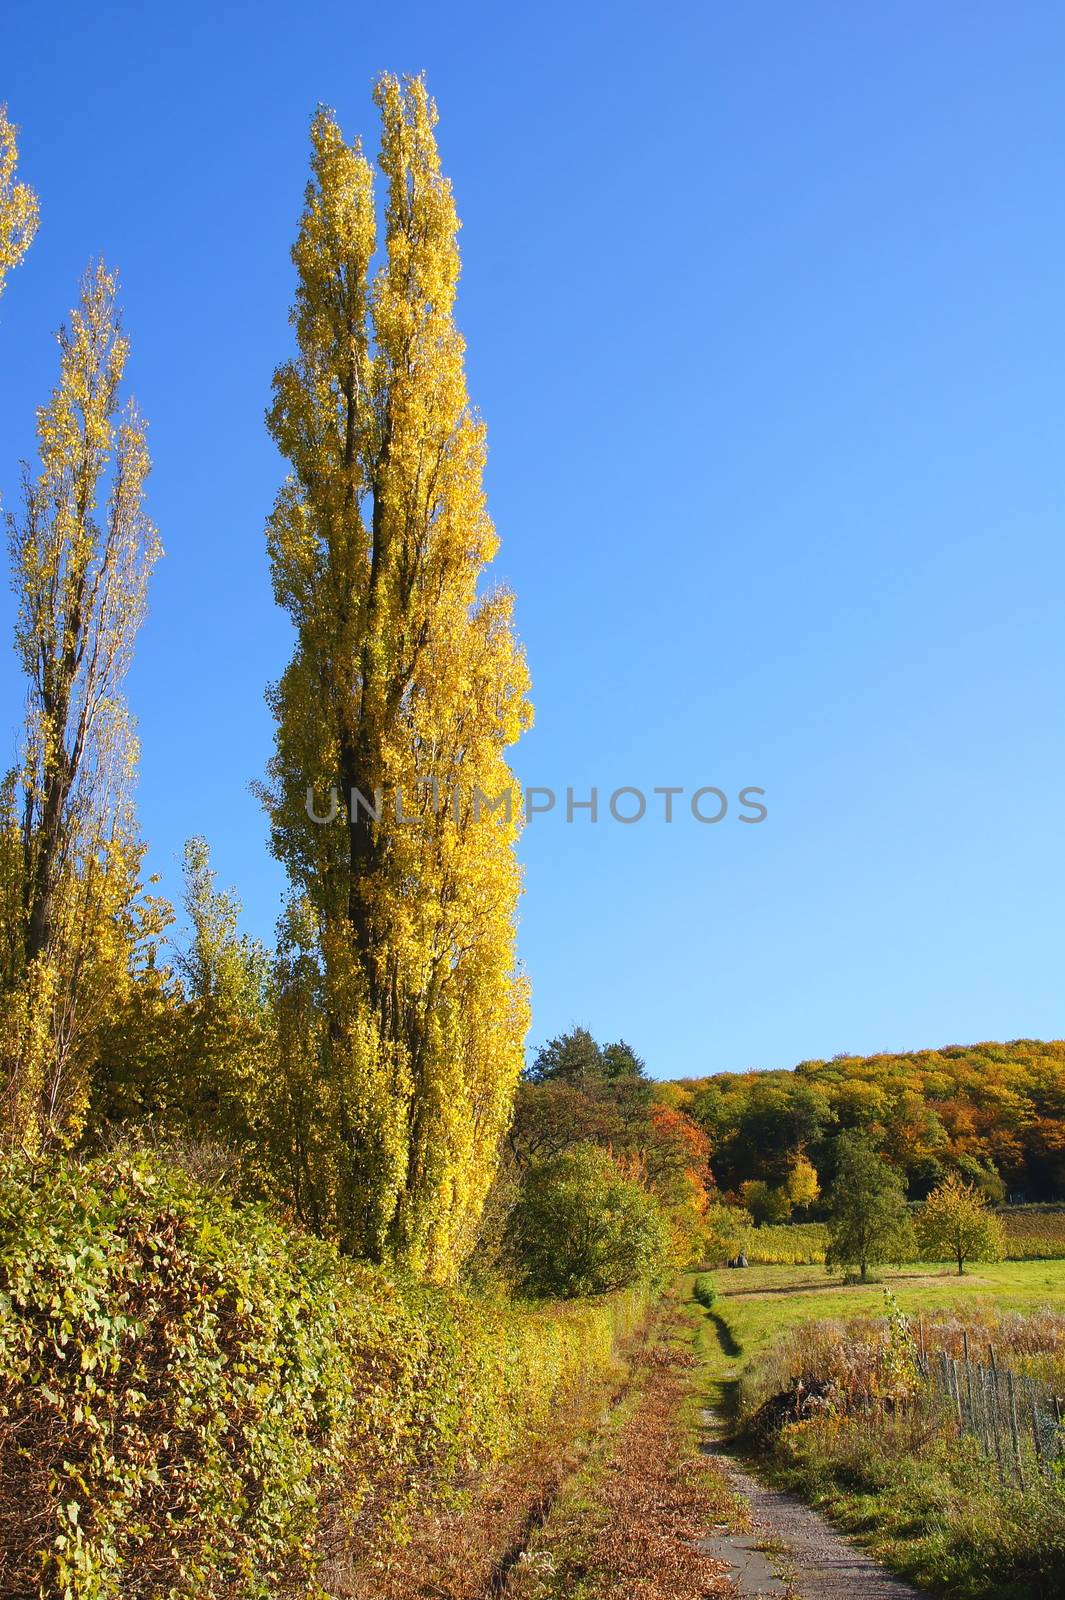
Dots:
(811, 1560)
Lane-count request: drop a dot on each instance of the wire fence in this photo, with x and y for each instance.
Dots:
(1019, 1421)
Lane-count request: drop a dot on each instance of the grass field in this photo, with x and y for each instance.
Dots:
(756, 1305)
(919, 1495)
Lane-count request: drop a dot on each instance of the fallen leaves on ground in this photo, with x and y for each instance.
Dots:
(632, 1531)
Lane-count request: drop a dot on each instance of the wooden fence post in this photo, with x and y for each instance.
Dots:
(992, 1375)
(1035, 1423)
(969, 1387)
(985, 1423)
(1012, 1393)
(956, 1393)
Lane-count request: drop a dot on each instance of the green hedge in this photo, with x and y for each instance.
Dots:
(705, 1290)
(195, 1401)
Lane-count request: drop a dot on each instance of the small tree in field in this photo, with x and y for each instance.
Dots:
(957, 1222)
(869, 1222)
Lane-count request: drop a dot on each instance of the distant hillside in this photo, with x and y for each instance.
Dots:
(996, 1112)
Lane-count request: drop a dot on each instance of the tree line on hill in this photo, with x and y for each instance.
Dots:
(992, 1113)
(988, 1118)
(582, 1106)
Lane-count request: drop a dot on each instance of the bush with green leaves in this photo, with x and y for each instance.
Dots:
(765, 1204)
(581, 1226)
(705, 1290)
(194, 1401)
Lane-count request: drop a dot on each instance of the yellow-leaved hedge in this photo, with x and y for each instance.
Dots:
(194, 1400)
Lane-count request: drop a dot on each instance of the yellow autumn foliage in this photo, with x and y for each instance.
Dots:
(72, 914)
(18, 204)
(405, 688)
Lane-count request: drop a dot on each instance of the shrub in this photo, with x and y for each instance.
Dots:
(705, 1290)
(194, 1401)
(803, 1185)
(581, 1227)
(728, 1231)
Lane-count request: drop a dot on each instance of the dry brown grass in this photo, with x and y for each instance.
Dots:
(660, 1499)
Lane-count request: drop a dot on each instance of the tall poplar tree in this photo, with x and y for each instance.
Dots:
(406, 684)
(81, 553)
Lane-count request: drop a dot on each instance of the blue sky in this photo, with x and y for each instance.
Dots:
(764, 310)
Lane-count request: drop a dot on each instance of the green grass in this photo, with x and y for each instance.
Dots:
(756, 1305)
(933, 1510)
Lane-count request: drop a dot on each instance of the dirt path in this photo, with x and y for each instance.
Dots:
(658, 1508)
(629, 1522)
(807, 1558)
